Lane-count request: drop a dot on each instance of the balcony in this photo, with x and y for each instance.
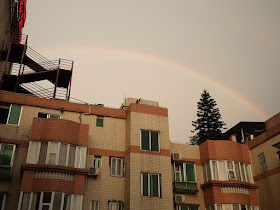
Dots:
(185, 187)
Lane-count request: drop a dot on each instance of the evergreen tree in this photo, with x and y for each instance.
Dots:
(208, 124)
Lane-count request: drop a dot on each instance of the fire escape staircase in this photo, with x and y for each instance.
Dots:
(28, 72)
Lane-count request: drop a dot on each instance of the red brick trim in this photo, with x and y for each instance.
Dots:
(58, 104)
(228, 183)
(105, 152)
(51, 129)
(267, 174)
(20, 143)
(136, 149)
(146, 109)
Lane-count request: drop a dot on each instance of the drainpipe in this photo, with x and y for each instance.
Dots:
(82, 114)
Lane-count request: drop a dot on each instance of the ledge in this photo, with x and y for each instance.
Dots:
(47, 167)
(228, 183)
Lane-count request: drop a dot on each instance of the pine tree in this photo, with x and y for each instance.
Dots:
(208, 124)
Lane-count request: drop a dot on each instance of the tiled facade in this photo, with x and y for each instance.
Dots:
(118, 139)
(267, 173)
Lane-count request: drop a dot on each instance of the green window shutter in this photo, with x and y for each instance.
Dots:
(154, 185)
(145, 140)
(154, 138)
(14, 114)
(54, 116)
(184, 208)
(193, 208)
(99, 122)
(190, 172)
(145, 184)
(6, 154)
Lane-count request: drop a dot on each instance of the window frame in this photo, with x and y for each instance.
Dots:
(111, 203)
(41, 204)
(93, 205)
(262, 161)
(149, 185)
(98, 123)
(179, 207)
(96, 160)
(230, 170)
(244, 169)
(13, 154)
(116, 166)
(49, 115)
(150, 140)
(9, 113)
(180, 172)
(3, 201)
(76, 163)
(278, 156)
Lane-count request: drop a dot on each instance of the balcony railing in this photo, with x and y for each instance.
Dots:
(185, 187)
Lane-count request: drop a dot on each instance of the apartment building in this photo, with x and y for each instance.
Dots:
(61, 155)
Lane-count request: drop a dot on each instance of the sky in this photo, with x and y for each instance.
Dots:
(166, 51)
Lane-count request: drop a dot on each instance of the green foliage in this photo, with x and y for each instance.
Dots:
(209, 124)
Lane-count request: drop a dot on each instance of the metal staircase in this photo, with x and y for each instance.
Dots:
(28, 72)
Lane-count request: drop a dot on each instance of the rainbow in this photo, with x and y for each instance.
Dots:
(97, 49)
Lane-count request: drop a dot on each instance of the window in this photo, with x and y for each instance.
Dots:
(206, 172)
(116, 167)
(94, 205)
(278, 155)
(49, 200)
(177, 172)
(46, 115)
(6, 158)
(150, 185)
(2, 201)
(97, 162)
(149, 140)
(184, 175)
(186, 207)
(262, 162)
(231, 207)
(230, 170)
(99, 121)
(56, 153)
(10, 114)
(115, 205)
(227, 170)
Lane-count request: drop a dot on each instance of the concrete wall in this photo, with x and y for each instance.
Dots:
(269, 181)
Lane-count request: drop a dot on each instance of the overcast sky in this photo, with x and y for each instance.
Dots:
(167, 51)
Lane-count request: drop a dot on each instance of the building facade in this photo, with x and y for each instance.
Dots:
(60, 155)
(265, 153)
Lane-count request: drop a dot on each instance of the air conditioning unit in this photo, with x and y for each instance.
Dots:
(179, 198)
(94, 171)
(176, 156)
